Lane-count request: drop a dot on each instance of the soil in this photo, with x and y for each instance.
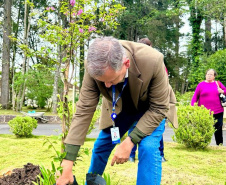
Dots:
(21, 176)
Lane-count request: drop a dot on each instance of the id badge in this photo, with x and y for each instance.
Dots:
(115, 137)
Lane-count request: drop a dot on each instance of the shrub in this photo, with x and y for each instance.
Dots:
(184, 99)
(195, 128)
(95, 118)
(217, 61)
(22, 126)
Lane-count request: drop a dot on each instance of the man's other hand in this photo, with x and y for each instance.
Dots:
(122, 152)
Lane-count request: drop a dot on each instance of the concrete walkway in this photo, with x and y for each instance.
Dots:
(55, 129)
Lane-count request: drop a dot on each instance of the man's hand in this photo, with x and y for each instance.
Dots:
(122, 152)
(67, 175)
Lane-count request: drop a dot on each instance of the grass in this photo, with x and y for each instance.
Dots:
(184, 165)
(25, 109)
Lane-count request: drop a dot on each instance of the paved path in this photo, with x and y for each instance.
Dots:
(55, 129)
(42, 129)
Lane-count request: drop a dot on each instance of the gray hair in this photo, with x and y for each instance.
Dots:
(104, 53)
(214, 71)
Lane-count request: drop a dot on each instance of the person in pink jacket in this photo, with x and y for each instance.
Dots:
(207, 94)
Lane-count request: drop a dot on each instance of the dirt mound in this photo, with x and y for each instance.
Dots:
(22, 176)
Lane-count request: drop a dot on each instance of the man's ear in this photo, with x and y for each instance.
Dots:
(127, 63)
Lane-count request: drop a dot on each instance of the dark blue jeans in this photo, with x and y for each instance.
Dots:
(149, 166)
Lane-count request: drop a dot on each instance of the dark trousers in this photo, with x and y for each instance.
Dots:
(218, 126)
(161, 148)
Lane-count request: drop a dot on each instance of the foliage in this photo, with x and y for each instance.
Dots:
(18, 81)
(69, 115)
(39, 82)
(215, 9)
(48, 177)
(79, 21)
(145, 19)
(108, 179)
(184, 99)
(22, 126)
(96, 116)
(39, 86)
(195, 128)
(217, 61)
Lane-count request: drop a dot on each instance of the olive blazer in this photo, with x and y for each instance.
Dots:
(147, 80)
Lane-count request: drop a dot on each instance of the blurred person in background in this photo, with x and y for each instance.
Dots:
(207, 94)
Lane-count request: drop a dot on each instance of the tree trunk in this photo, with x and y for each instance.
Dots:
(55, 87)
(25, 64)
(195, 20)
(13, 59)
(57, 72)
(66, 113)
(207, 44)
(177, 45)
(6, 54)
(81, 71)
(224, 31)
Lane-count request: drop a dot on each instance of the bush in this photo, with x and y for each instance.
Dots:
(184, 99)
(22, 126)
(195, 128)
(96, 116)
(217, 61)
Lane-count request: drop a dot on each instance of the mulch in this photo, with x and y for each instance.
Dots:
(21, 176)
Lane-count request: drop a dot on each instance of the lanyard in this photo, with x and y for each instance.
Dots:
(115, 100)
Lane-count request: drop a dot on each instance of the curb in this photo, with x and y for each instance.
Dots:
(52, 119)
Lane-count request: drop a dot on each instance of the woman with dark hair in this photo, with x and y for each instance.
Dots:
(207, 94)
(145, 41)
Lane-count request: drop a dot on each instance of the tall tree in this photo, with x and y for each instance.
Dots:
(14, 46)
(82, 59)
(6, 54)
(68, 35)
(57, 66)
(207, 44)
(196, 46)
(216, 11)
(208, 34)
(20, 97)
(160, 21)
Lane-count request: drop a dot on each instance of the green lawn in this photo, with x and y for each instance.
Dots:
(183, 165)
(25, 109)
